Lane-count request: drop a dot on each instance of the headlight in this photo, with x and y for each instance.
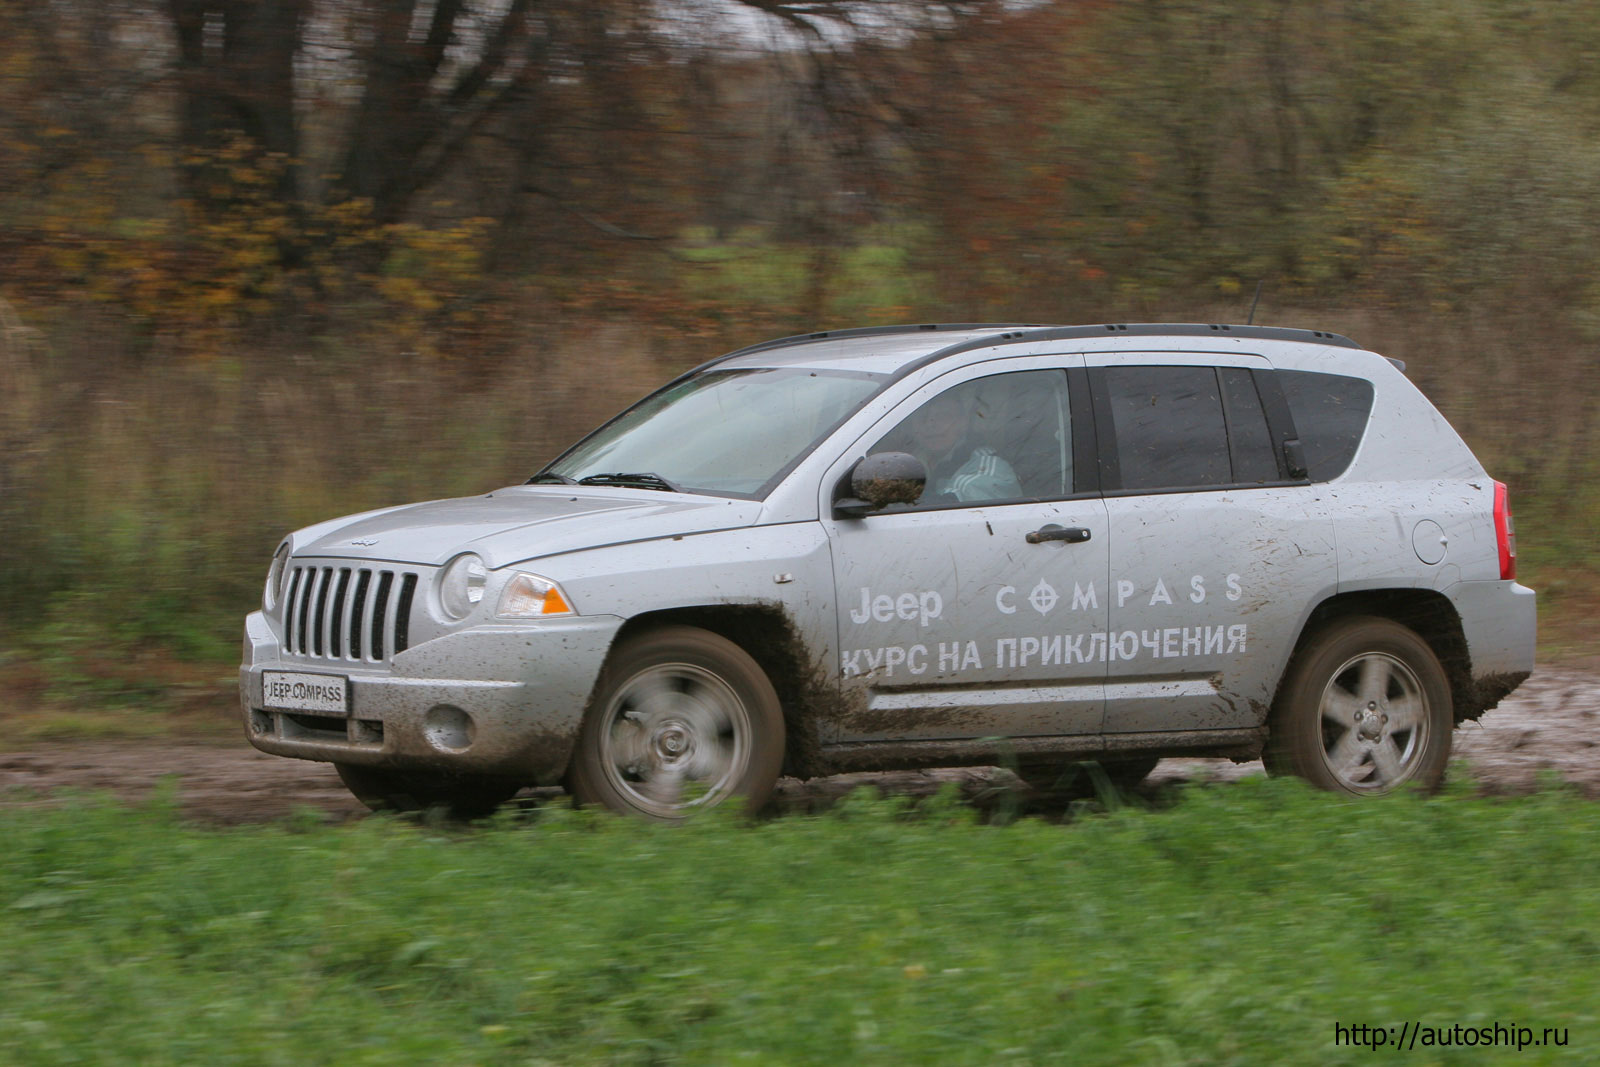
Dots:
(529, 596)
(461, 585)
(277, 578)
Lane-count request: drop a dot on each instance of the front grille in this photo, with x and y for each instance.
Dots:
(356, 614)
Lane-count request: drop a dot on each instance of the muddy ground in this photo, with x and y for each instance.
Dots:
(1551, 724)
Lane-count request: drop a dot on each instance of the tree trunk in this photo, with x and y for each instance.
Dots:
(236, 79)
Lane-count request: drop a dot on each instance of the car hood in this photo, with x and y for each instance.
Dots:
(519, 523)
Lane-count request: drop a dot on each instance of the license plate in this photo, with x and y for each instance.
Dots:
(293, 691)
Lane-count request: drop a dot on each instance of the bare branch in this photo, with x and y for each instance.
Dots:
(807, 17)
(582, 216)
(496, 51)
(440, 31)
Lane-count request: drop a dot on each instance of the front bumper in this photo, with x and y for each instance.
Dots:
(504, 700)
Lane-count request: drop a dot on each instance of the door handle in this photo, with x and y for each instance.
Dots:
(1072, 535)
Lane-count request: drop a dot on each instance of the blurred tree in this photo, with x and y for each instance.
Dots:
(208, 160)
(556, 85)
(1221, 124)
(235, 76)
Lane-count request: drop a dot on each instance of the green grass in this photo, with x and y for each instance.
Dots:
(1238, 926)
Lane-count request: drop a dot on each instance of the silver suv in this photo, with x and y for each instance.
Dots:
(916, 546)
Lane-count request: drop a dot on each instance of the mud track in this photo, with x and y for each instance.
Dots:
(1551, 726)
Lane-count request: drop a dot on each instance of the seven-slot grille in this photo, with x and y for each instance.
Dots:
(351, 613)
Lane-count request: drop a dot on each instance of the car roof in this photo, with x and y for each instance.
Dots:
(897, 350)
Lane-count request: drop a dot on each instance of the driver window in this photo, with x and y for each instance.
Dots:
(1004, 437)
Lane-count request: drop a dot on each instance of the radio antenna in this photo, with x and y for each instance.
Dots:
(1252, 319)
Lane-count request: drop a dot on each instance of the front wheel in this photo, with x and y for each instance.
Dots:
(681, 720)
(1364, 709)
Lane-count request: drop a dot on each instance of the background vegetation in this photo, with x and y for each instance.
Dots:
(262, 263)
(1238, 927)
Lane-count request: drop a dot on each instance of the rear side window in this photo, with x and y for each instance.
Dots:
(1330, 415)
(1169, 427)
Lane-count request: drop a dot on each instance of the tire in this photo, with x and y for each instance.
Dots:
(681, 720)
(463, 796)
(1364, 709)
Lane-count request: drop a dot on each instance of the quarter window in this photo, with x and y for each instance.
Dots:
(1330, 415)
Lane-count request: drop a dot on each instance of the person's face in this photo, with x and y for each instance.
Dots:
(941, 425)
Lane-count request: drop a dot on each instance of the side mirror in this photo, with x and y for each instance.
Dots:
(881, 479)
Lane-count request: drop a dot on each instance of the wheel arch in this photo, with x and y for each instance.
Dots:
(1428, 613)
(767, 633)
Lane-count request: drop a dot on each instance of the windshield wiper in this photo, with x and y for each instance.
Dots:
(639, 480)
(551, 479)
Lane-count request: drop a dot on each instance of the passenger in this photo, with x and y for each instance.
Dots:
(957, 468)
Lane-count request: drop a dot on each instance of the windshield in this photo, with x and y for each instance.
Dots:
(727, 432)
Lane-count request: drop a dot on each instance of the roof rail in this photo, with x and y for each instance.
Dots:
(1135, 329)
(877, 331)
(858, 331)
(1183, 329)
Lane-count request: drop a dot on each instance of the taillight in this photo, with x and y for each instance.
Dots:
(1505, 532)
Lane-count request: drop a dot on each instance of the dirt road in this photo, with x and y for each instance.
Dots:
(1551, 724)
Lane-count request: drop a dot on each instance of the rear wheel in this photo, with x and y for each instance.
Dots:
(681, 720)
(463, 796)
(1364, 709)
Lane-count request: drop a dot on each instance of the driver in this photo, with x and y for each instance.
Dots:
(957, 467)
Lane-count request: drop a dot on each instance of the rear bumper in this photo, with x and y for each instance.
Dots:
(504, 700)
(1500, 622)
